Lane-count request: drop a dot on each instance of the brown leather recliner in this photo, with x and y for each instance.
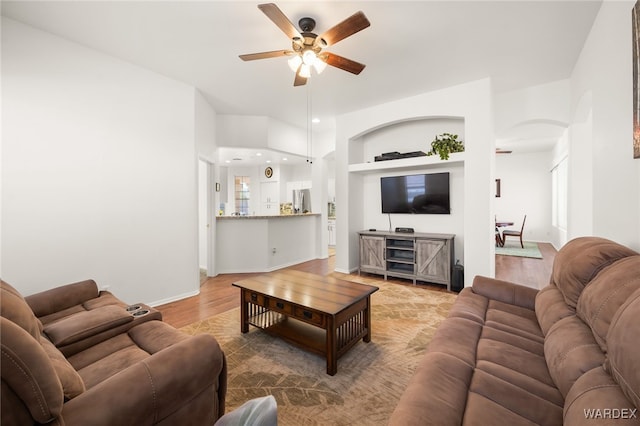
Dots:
(116, 368)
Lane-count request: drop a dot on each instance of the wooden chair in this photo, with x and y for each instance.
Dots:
(499, 242)
(514, 233)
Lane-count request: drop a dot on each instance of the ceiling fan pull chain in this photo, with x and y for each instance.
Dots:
(309, 131)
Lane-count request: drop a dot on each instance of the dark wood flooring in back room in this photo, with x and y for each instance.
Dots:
(217, 295)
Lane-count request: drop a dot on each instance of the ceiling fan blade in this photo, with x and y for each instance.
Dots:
(280, 19)
(342, 63)
(265, 55)
(356, 22)
(299, 81)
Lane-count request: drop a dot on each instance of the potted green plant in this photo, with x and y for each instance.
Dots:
(445, 144)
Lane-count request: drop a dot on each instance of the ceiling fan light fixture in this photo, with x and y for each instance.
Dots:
(309, 57)
(305, 71)
(319, 65)
(294, 62)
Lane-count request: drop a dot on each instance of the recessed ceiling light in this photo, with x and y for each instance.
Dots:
(284, 158)
(227, 161)
(315, 120)
(268, 161)
(258, 154)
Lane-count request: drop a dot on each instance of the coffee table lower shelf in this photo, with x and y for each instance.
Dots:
(347, 328)
(291, 330)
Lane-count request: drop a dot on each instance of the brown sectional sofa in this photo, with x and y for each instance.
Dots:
(76, 356)
(511, 355)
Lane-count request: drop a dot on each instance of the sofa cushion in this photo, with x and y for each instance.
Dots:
(593, 399)
(623, 362)
(61, 298)
(601, 299)
(470, 305)
(29, 374)
(570, 350)
(495, 401)
(72, 384)
(103, 299)
(580, 260)
(111, 356)
(441, 380)
(550, 307)
(15, 308)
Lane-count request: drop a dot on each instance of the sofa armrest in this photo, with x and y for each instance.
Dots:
(156, 388)
(505, 291)
(63, 297)
(85, 324)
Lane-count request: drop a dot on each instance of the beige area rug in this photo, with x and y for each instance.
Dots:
(513, 248)
(371, 376)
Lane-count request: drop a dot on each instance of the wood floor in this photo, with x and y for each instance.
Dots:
(217, 295)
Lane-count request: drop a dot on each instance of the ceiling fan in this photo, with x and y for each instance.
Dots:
(307, 47)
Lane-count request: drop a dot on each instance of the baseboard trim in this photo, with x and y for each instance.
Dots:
(268, 269)
(174, 298)
(346, 271)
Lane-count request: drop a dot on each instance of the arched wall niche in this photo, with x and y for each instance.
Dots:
(532, 135)
(407, 135)
(408, 122)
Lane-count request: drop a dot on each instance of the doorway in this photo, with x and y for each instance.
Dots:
(205, 220)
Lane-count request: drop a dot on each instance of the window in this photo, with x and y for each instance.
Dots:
(242, 194)
(559, 195)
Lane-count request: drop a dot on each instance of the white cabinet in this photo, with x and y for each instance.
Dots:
(332, 232)
(269, 198)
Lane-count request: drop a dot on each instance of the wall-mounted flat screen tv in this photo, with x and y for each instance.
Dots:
(417, 194)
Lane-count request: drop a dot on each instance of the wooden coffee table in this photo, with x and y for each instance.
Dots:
(322, 314)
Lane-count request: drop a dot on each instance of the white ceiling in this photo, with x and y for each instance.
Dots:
(411, 47)
(252, 156)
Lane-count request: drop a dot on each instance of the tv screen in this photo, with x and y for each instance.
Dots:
(417, 194)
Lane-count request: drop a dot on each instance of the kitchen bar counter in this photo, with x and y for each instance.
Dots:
(266, 243)
(279, 216)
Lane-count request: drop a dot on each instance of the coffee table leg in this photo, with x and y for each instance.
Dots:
(244, 314)
(367, 321)
(332, 350)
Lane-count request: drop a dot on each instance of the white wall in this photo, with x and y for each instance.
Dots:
(203, 214)
(559, 235)
(603, 74)
(247, 131)
(544, 105)
(208, 175)
(98, 173)
(525, 188)
(472, 102)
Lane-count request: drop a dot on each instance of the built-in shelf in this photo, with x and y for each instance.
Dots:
(407, 163)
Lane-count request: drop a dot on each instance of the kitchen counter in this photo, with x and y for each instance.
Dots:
(278, 216)
(266, 243)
